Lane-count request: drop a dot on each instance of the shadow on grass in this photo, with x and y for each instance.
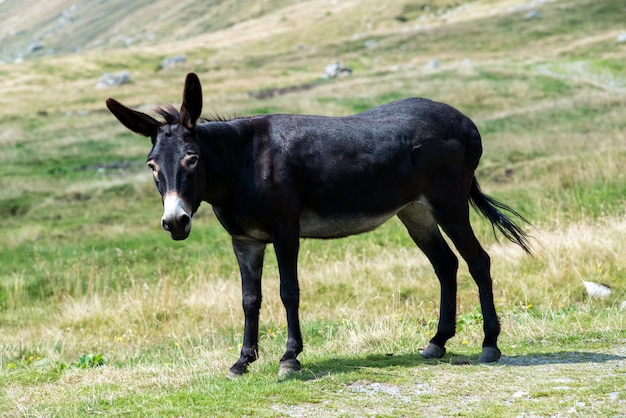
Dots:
(561, 357)
(315, 369)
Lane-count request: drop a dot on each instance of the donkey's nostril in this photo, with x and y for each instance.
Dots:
(164, 225)
(184, 220)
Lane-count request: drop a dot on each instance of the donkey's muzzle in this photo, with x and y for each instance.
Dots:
(176, 216)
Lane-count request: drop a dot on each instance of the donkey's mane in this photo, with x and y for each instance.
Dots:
(169, 113)
(172, 116)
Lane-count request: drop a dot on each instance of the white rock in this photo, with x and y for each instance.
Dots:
(113, 80)
(596, 290)
(533, 14)
(433, 64)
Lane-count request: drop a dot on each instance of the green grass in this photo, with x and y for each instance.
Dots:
(101, 313)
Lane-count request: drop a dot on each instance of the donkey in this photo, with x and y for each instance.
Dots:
(281, 177)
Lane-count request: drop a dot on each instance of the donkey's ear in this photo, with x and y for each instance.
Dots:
(137, 122)
(192, 101)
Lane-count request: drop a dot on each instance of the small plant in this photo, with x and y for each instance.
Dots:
(472, 318)
(88, 361)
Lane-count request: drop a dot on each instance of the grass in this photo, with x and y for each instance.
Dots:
(100, 313)
(337, 386)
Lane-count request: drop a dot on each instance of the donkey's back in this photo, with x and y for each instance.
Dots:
(350, 174)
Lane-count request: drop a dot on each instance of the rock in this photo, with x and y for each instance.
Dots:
(177, 59)
(596, 290)
(337, 70)
(433, 64)
(113, 79)
(621, 38)
(533, 14)
(34, 47)
(68, 16)
(370, 44)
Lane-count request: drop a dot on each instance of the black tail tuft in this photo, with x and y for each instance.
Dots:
(490, 208)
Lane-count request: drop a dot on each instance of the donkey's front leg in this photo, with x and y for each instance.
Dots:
(286, 244)
(250, 258)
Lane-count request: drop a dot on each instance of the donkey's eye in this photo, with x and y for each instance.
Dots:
(155, 170)
(191, 161)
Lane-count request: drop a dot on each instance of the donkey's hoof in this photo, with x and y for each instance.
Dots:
(236, 371)
(288, 366)
(433, 351)
(233, 375)
(489, 355)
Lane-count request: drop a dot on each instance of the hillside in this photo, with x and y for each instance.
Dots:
(243, 46)
(33, 28)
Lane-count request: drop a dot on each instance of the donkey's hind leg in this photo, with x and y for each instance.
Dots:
(423, 228)
(454, 220)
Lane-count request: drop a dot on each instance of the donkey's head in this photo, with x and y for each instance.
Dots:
(175, 155)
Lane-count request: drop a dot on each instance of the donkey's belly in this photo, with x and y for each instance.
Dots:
(313, 225)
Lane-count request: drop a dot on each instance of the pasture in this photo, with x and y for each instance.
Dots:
(101, 313)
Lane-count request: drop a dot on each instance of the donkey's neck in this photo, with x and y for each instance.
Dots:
(223, 147)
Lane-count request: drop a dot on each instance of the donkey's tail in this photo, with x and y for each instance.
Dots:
(490, 208)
